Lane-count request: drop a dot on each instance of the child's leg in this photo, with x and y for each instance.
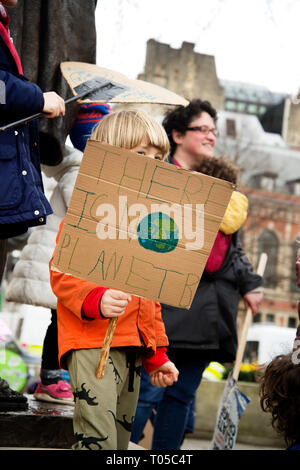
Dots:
(95, 401)
(104, 408)
(127, 369)
(50, 370)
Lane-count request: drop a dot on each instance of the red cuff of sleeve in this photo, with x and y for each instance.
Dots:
(154, 362)
(91, 305)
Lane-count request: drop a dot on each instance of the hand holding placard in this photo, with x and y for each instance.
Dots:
(113, 304)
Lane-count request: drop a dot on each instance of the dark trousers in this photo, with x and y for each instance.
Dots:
(50, 346)
(172, 404)
(3, 256)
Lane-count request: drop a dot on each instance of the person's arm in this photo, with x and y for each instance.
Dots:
(24, 98)
(69, 290)
(86, 299)
(157, 360)
(160, 331)
(250, 283)
(54, 105)
(102, 302)
(253, 300)
(162, 371)
(165, 375)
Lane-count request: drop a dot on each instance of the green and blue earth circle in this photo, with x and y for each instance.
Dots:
(158, 232)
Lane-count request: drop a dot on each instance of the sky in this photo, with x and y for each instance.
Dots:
(253, 41)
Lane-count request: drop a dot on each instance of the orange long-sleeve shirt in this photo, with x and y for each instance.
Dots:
(140, 325)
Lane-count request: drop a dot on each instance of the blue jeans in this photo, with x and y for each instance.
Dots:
(172, 404)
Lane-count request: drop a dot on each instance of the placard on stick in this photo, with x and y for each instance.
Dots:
(123, 89)
(140, 225)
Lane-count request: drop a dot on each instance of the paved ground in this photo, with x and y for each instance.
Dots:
(189, 444)
(198, 444)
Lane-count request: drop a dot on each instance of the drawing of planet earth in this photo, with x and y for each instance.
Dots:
(158, 232)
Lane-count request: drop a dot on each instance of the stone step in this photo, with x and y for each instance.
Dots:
(43, 426)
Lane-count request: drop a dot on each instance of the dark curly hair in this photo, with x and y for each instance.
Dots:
(218, 167)
(280, 395)
(179, 118)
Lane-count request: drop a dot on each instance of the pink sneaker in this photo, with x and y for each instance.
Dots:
(55, 393)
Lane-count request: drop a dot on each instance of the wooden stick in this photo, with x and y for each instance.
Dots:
(83, 94)
(106, 347)
(247, 323)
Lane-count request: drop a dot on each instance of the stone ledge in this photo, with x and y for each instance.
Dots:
(43, 426)
(254, 426)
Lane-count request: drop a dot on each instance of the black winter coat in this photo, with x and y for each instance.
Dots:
(209, 326)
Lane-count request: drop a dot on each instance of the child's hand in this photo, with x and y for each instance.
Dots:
(113, 303)
(165, 375)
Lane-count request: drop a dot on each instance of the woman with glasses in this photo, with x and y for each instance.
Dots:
(207, 331)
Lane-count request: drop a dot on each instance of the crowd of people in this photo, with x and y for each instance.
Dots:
(159, 352)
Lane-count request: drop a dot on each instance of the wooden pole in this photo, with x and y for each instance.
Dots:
(106, 347)
(247, 323)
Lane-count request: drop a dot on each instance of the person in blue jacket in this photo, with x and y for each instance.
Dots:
(23, 203)
(22, 200)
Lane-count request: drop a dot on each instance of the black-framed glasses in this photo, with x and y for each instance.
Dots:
(204, 130)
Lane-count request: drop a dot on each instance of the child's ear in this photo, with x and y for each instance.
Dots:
(177, 136)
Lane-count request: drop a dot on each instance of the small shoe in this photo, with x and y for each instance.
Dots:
(10, 400)
(59, 392)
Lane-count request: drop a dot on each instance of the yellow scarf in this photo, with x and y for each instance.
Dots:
(236, 213)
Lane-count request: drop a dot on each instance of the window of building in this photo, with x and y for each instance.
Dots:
(294, 187)
(252, 108)
(230, 127)
(297, 188)
(230, 105)
(262, 109)
(268, 183)
(241, 107)
(270, 318)
(251, 352)
(257, 318)
(292, 323)
(293, 277)
(265, 180)
(268, 243)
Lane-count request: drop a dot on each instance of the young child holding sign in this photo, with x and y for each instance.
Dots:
(105, 408)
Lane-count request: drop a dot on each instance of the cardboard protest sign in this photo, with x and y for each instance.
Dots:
(233, 402)
(140, 225)
(121, 90)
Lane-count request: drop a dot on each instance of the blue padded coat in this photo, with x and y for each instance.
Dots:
(22, 200)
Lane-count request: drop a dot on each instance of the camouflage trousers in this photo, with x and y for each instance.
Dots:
(104, 408)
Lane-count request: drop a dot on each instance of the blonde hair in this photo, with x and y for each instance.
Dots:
(126, 129)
